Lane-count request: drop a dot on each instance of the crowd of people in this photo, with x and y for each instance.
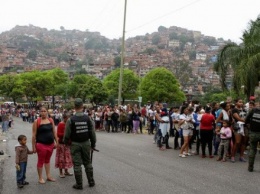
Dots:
(219, 130)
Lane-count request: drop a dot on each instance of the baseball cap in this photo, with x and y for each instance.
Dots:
(78, 102)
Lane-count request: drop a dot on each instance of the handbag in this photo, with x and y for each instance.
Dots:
(236, 126)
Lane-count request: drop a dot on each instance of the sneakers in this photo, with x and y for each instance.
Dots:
(250, 169)
(187, 154)
(233, 159)
(242, 160)
(182, 156)
(78, 187)
(25, 183)
(20, 185)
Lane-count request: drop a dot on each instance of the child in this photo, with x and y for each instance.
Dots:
(63, 158)
(22, 152)
(225, 136)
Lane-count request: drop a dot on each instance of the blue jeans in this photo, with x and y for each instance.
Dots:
(5, 126)
(20, 175)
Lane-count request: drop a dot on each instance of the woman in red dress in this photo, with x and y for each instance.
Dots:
(63, 157)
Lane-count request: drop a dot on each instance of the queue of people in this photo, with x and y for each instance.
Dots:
(218, 128)
(221, 128)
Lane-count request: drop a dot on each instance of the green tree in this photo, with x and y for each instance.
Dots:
(183, 72)
(96, 43)
(32, 55)
(209, 41)
(117, 61)
(162, 29)
(161, 85)
(64, 56)
(9, 86)
(34, 85)
(57, 78)
(156, 39)
(96, 90)
(150, 51)
(129, 84)
(88, 87)
(78, 87)
(192, 55)
(173, 35)
(244, 60)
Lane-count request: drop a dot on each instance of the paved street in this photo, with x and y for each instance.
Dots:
(130, 163)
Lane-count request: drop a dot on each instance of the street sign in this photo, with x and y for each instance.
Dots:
(140, 99)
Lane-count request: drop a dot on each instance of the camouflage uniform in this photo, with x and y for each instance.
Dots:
(254, 139)
(253, 118)
(80, 150)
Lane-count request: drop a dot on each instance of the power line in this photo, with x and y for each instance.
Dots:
(169, 13)
(109, 9)
(100, 13)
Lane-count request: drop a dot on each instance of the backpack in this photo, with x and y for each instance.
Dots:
(39, 121)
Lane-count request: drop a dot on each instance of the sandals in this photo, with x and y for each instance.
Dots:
(41, 181)
(51, 179)
(68, 174)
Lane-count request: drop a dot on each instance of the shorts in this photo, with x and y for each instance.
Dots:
(187, 132)
(245, 133)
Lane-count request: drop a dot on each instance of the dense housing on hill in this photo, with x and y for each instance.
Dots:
(188, 54)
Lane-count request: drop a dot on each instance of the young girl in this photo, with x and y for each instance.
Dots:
(225, 136)
(21, 151)
(63, 157)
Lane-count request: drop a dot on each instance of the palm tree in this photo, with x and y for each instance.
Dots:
(244, 60)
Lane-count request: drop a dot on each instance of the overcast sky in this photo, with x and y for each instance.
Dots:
(219, 18)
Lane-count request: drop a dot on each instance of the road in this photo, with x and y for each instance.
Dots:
(130, 163)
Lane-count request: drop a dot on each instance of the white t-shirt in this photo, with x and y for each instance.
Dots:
(151, 114)
(97, 117)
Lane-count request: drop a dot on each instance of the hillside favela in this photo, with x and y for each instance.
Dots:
(189, 55)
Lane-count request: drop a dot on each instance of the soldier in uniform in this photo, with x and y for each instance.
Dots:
(253, 118)
(79, 130)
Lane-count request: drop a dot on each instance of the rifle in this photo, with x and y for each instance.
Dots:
(91, 153)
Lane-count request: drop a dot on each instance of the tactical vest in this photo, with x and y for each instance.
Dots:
(79, 128)
(255, 120)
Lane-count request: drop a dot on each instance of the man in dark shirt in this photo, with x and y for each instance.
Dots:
(253, 118)
(79, 130)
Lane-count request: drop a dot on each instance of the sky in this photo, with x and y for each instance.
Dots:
(219, 18)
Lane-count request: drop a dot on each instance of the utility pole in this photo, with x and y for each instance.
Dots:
(139, 76)
(122, 59)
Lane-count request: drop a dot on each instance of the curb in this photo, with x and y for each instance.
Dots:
(3, 146)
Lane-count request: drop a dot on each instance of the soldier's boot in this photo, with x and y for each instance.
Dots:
(91, 181)
(251, 164)
(78, 184)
